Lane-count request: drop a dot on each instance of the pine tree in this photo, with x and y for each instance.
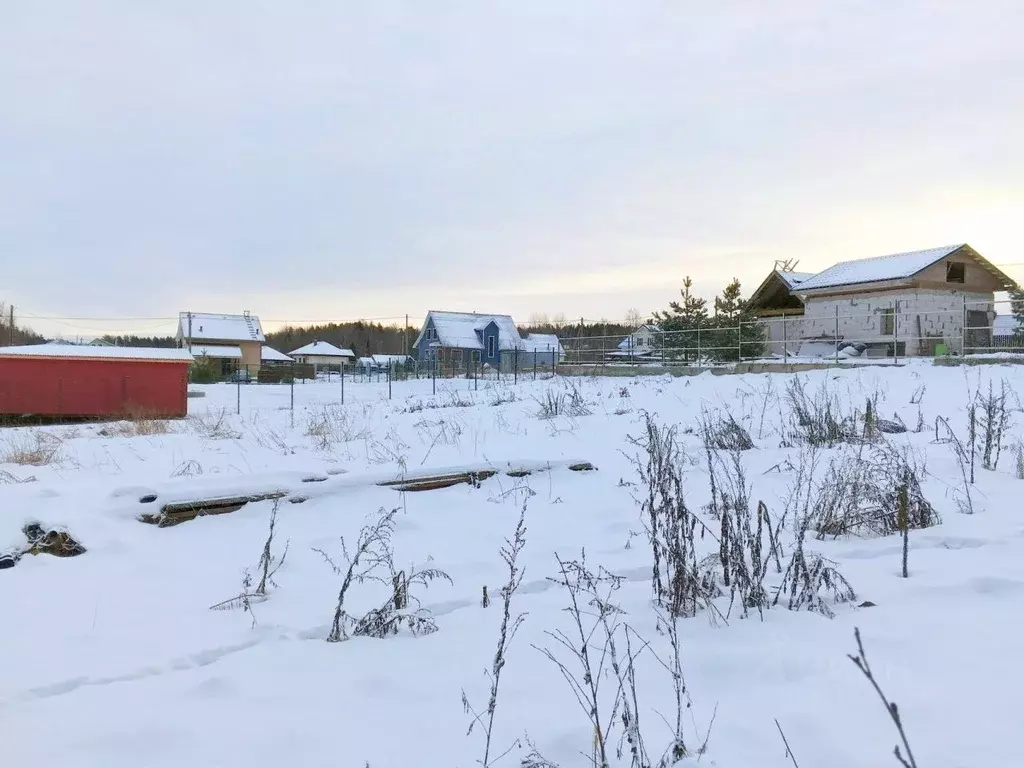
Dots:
(730, 304)
(682, 322)
(691, 313)
(1017, 309)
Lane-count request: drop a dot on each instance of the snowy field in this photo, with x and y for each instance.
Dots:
(114, 658)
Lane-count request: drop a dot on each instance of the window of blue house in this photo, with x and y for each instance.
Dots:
(492, 343)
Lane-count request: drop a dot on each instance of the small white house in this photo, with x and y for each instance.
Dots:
(643, 342)
(541, 350)
(322, 354)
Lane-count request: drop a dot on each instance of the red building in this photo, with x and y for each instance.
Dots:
(55, 380)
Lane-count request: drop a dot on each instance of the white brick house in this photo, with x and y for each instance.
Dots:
(905, 302)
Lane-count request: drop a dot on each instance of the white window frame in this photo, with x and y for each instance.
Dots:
(492, 347)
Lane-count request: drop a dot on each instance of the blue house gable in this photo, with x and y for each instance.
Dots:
(466, 337)
(491, 335)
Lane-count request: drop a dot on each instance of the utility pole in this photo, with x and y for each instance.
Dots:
(11, 328)
(189, 331)
(405, 337)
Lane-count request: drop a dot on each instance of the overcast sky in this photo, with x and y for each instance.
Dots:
(329, 160)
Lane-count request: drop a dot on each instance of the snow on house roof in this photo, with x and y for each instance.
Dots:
(463, 330)
(271, 355)
(321, 349)
(794, 278)
(217, 351)
(895, 266)
(542, 342)
(74, 351)
(210, 327)
(388, 359)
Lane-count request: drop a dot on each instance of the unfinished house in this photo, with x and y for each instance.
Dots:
(918, 303)
(779, 310)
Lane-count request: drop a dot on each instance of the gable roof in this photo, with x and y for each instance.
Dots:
(271, 355)
(794, 278)
(778, 287)
(895, 266)
(542, 342)
(211, 327)
(322, 349)
(464, 330)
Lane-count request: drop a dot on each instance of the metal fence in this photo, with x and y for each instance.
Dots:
(888, 331)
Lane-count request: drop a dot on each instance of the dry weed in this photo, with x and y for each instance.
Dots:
(35, 449)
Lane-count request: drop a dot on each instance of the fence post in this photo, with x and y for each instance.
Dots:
(291, 407)
(343, 386)
(391, 376)
(476, 374)
(785, 351)
(739, 341)
(963, 332)
(515, 367)
(896, 332)
(554, 354)
(698, 345)
(238, 393)
(433, 377)
(837, 334)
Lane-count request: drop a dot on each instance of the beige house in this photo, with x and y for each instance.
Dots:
(234, 341)
(323, 355)
(904, 303)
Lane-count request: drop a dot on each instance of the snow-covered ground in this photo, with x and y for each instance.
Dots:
(115, 659)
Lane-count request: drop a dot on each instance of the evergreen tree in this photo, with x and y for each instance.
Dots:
(682, 323)
(731, 305)
(1017, 309)
(737, 335)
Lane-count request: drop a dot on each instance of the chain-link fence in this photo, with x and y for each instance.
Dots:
(875, 330)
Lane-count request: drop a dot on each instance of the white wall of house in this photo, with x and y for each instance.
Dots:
(645, 339)
(323, 360)
(873, 318)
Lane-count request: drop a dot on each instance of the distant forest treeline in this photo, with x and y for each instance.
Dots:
(21, 335)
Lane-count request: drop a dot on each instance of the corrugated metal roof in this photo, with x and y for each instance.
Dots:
(74, 351)
(895, 266)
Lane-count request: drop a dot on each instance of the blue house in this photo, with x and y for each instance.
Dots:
(461, 339)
